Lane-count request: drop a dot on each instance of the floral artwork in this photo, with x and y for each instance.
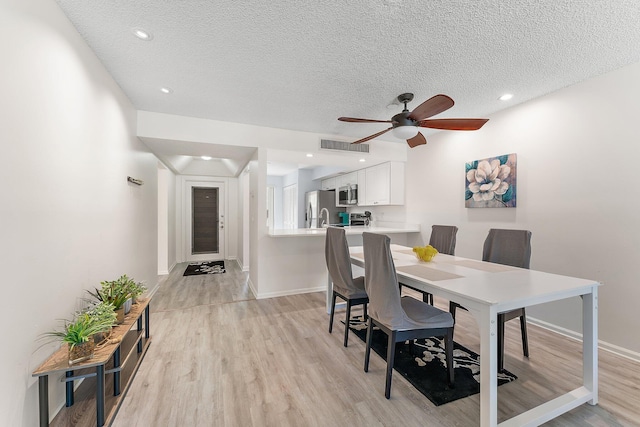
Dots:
(491, 183)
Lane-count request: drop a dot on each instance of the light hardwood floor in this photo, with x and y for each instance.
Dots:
(221, 358)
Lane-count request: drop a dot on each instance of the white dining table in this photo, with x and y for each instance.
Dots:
(486, 289)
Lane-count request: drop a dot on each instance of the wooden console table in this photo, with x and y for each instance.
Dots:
(125, 341)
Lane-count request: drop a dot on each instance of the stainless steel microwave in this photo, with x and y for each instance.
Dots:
(348, 195)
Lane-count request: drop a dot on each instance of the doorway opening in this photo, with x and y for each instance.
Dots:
(204, 225)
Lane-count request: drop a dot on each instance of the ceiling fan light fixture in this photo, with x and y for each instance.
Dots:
(404, 132)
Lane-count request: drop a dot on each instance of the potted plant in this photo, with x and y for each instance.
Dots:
(136, 289)
(103, 312)
(78, 334)
(114, 293)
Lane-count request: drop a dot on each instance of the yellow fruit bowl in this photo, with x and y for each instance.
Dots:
(425, 253)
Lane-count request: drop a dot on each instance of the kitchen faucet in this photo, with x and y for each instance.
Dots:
(324, 223)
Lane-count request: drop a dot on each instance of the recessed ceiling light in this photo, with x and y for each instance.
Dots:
(166, 90)
(362, 160)
(309, 155)
(506, 97)
(205, 157)
(142, 34)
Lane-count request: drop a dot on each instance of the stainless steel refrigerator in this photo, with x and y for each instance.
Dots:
(315, 202)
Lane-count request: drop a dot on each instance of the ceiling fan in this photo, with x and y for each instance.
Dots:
(405, 125)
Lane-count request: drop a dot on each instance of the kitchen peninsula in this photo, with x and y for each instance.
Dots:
(349, 231)
(292, 261)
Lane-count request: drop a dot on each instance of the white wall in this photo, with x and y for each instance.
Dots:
(167, 230)
(244, 228)
(172, 255)
(257, 215)
(276, 183)
(577, 151)
(68, 217)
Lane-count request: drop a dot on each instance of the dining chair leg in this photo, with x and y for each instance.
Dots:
(367, 351)
(391, 354)
(333, 309)
(500, 342)
(448, 348)
(346, 323)
(523, 330)
(452, 309)
(364, 309)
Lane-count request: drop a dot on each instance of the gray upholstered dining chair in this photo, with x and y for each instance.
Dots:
(443, 238)
(399, 318)
(508, 247)
(336, 252)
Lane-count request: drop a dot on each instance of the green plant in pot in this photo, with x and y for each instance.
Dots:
(78, 334)
(103, 312)
(136, 289)
(114, 293)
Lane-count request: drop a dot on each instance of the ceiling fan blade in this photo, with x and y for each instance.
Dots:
(453, 124)
(355, 120)
(431, 107)
(419, 139)
(375, 135)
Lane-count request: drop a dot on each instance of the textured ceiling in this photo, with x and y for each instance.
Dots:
(301, 64)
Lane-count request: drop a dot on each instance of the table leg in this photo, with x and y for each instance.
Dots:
(329, 293)
(68, 386)
(487, 319)
(590, 343)
(100, 395)
(116, 374)
(146, 321)
(139, 329)
(43, 399)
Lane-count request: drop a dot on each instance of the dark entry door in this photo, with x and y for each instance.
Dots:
(205, 229)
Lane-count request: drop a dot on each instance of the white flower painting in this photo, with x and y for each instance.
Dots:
(491, 183)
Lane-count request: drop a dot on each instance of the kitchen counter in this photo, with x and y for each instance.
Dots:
(293, 261)
(354, 230)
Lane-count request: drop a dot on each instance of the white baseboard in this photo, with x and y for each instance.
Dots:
(603, 345)
(242, 267)
(153, 290)
(252, 287)
(290, 292)
(167, 272)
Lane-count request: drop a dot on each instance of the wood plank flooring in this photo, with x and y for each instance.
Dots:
(221, 358)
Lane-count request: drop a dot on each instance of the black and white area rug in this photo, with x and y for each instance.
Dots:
(205, 267)
(425, 368)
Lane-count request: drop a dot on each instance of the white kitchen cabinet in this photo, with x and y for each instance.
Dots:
(362, 185)
(328, 184)
(383, 185)
(347, 179)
